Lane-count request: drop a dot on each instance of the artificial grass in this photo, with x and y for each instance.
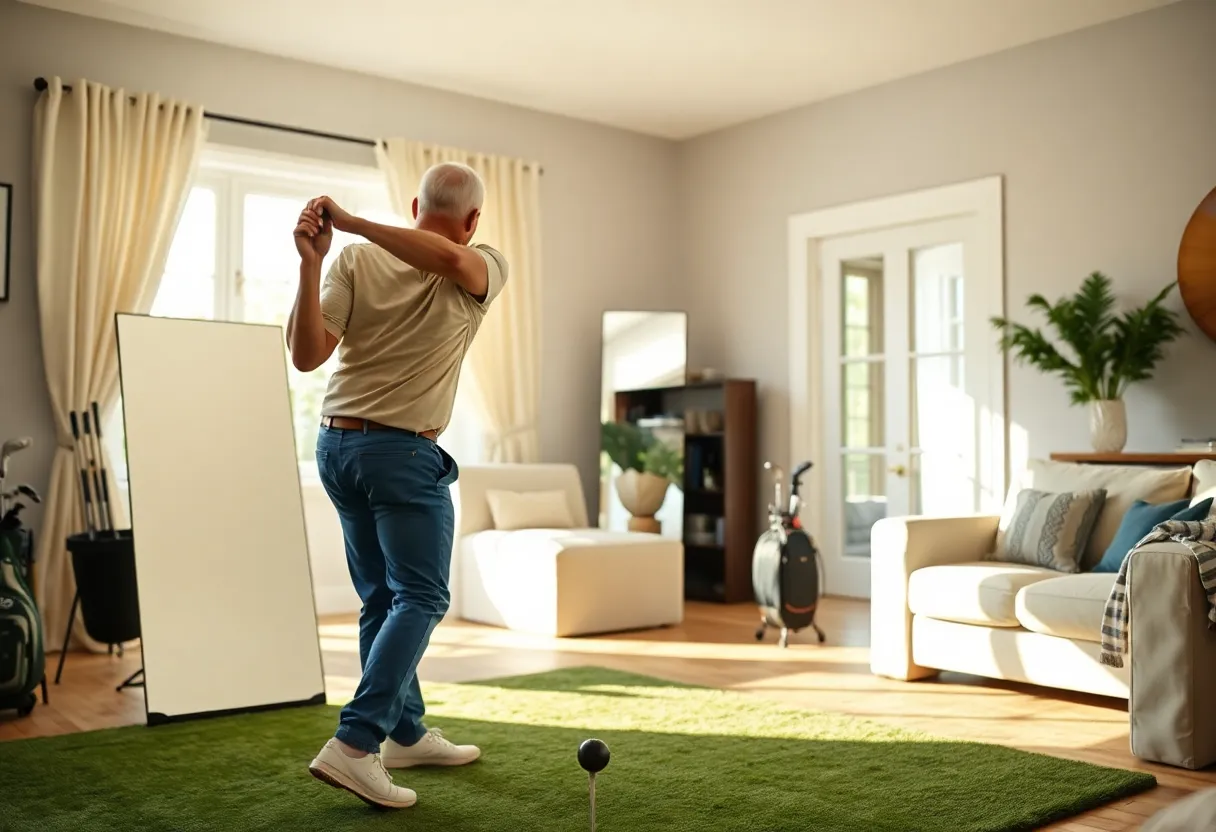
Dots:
(683, 758)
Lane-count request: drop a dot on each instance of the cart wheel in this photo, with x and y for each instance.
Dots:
(27, 707)
(760, 634)
(819, 632)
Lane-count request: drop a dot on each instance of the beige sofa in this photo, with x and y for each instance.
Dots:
(938, 602)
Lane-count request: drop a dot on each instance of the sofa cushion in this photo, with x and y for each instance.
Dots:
(1203, 486)
(1047, 529)
(529, 509)
(972, 593)
(1124, 484)
(1068, 606)
(1141, 519)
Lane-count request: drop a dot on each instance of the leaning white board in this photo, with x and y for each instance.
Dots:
(225, 590)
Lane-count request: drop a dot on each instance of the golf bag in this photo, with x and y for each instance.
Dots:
(22, 657)
(786, 567)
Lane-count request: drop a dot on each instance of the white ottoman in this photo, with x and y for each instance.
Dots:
(560, 582)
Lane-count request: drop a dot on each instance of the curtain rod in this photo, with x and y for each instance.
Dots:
(41, 85)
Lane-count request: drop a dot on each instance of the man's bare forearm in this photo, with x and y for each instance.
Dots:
(423, 250)
(305, 326)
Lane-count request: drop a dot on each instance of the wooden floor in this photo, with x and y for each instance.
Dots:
(714, 646)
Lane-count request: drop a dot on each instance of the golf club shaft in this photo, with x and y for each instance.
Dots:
(105, 483)
(78, 454)
(94, 453)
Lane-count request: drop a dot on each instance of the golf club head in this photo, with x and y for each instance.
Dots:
(13, 445)
(28, 491)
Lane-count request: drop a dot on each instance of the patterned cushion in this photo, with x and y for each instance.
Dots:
(1049, 529)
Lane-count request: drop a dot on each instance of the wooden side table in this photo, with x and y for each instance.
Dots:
(1167, 458)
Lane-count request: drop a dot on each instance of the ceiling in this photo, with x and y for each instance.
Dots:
(668, 68)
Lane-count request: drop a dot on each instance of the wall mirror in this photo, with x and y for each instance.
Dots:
(641, 456)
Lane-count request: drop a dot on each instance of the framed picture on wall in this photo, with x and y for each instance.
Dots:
(6, 236)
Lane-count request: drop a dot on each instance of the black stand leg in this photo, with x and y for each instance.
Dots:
(45, 699)
(130, 682)
(67, 637)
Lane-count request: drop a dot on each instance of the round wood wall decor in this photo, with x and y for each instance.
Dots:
(1197, 266)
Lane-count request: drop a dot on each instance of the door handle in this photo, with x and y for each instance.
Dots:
(898, 470)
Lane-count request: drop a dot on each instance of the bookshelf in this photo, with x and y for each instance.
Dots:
(720, 479)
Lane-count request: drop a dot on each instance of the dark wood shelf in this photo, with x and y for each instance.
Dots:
(717, 573)
(1167, 458)
(708, 384)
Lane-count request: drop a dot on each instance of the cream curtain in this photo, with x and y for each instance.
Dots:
(505, 357)
(111, 177)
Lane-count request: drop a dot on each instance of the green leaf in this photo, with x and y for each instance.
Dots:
(1100, 352)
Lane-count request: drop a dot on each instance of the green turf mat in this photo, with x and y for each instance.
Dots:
(683, 758)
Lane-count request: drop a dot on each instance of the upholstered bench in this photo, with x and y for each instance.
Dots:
(528, 560)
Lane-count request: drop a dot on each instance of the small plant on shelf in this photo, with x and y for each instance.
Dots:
(633, 449)
(648, 467)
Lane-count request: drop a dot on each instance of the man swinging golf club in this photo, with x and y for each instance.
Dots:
(401, 310)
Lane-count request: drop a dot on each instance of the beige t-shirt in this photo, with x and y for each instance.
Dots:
(402, 336)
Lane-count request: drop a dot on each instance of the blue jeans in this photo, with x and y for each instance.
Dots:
(391, 492)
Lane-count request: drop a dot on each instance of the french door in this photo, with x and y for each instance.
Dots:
(906, 374)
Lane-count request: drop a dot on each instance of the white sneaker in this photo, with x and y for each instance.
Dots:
(364, 777)
(431, 750)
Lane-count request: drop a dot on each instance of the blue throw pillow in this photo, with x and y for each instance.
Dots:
(1141, 519)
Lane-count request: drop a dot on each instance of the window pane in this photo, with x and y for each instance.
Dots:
(865, 501)
(862, 405)
(937, 293)
(187, 288)
(270, 274)
(861, 312)
(269, 261)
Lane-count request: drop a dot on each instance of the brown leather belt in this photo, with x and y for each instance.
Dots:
(350, 423)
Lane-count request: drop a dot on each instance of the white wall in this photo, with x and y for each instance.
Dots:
(1105, 140)
(607, 196)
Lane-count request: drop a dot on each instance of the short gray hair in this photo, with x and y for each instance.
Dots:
(450, 188)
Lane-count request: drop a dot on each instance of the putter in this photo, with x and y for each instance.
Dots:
(93, 451)
(85, 502)
(105, 484)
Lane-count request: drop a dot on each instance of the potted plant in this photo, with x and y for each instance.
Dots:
(1106, 351)
(648, 466)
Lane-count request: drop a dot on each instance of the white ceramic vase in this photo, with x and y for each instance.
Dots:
(1108, 426)
(642, 494)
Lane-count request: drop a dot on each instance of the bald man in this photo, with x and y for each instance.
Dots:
(401, 310)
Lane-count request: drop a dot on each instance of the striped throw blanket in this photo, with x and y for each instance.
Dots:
(1200, 538)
